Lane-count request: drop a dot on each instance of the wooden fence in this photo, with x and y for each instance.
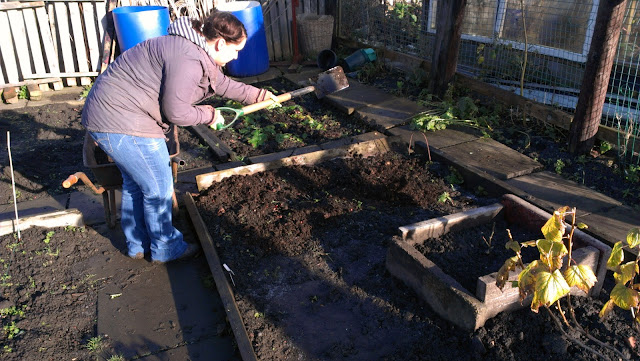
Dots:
(59, 42)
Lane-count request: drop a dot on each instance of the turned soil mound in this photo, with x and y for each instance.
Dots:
(307, 246)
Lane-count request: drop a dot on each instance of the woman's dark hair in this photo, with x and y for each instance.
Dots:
(221, 24)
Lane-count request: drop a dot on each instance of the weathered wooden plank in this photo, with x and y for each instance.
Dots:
(16, 22)
(30, 81)
(365, 149)
(101, 15)
(222, 285)
(75, 74)
(62, 24)
(283, 23)
(91, 35)
(6, 49)
(48, 44)
(273, 16)
(267, 27)
(14, 5)
(34, 39)
(78, 40)
(288, 17)
(1, 74)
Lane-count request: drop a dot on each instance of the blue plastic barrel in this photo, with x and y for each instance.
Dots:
(254, 58)
(135, 24)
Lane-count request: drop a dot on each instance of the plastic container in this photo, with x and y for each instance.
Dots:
(254, 58)
(327, 59)
(135, 24)
(359, 58)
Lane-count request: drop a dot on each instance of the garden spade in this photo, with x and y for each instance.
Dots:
(327, 82)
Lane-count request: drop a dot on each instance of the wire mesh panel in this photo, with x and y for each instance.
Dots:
(622, 108)
(555, 36)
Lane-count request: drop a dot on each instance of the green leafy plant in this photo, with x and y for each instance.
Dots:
(548, 279)
(11, 330)
(625, 293)
(85, 91)
(454, 177)
(559, 166)
(444, 197)
(95, 344)
(447, 113)
(23, 93)
(47, 238)
(116, 358)
(605, 146)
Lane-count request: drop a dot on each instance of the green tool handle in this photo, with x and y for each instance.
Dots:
(261, 105)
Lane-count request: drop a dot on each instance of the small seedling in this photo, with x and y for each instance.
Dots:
(95, 344)
(559, 166)
(444, 197)
(23, 93)
(11, 330)
(47, 239)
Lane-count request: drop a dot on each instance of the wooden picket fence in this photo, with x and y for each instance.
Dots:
(55, 43)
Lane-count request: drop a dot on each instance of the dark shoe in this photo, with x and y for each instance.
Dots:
(191, 250)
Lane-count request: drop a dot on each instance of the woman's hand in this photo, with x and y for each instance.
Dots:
(218, 119)
(270, 95)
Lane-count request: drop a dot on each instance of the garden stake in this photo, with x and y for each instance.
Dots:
(13, 186)
(327, 82)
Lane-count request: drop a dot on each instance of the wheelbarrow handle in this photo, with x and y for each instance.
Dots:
(261, 105)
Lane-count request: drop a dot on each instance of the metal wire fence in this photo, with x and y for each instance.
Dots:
(556, 35)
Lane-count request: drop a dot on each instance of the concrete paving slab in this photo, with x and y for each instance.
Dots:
(301, 77)
(271, 73)
(356, 96)
(91, 205)
(493, 158)
(562, 192)
(613, 224)
(390, 113)
(32, 207)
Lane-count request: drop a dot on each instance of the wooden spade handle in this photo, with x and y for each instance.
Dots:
(280, 98)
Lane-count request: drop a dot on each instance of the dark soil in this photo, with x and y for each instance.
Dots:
(299, 122)
(307, 246)
(47, 297)
(483, 244)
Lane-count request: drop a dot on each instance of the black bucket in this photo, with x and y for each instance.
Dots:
(327, 59)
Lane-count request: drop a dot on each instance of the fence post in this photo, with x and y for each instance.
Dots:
(595, 82)
(446, 44)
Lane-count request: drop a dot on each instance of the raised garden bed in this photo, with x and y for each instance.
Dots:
(301, 122)
(459, 304)
(307, 245)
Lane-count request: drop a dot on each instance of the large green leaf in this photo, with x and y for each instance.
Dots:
(551, 252)
(616, 257)
(627, 272)
(624, 297)
(554, 229)
(633, 237)
(550, 287)
(580, 276)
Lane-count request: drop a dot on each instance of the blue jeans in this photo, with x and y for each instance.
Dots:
(147, 191)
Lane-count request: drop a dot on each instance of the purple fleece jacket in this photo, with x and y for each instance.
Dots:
(157, 82)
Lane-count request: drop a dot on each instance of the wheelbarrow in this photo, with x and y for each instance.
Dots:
(109, 177)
